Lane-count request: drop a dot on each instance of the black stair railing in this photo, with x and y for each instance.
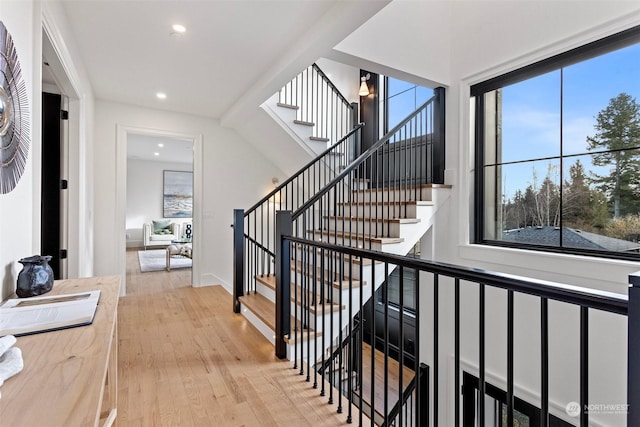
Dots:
(402, 399)
(382, 184)
(319, 102)
(254, 230)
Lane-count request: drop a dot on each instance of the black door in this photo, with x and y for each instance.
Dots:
(51, 180)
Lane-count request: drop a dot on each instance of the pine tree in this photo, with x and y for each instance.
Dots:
(576, 198)
(618, 131)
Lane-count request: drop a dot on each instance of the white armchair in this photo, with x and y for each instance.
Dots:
(159, 233)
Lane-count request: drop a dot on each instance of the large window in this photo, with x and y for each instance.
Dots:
(558, 152)
(401, 99)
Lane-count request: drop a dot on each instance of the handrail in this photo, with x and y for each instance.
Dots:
(339, 348)
(358, 161)
(258, 244)
(303, 169)
(330, 83)
(458, 283)
(586, 297)
(318, 102)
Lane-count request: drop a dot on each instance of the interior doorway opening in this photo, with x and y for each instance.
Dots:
(159, 214)
(129, 224)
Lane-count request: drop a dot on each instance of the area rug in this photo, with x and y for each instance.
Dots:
(156, 260)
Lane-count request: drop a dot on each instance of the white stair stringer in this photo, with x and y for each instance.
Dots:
(301, 134)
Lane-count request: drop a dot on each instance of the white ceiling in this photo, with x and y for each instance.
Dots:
(174, 150)
(235, 53)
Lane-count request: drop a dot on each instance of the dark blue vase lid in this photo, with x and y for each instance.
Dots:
(35, 259)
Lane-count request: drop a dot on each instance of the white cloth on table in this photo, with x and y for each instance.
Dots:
(10, 358)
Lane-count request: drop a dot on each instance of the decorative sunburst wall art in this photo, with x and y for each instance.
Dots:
(14, 115)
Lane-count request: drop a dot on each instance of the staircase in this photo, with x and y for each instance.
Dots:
(359, 223)
(305, 300)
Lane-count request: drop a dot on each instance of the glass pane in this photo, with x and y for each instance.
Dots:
(399, 107)
(522, 202)
(597, 213)
(588, 88)
(422, 95)
(519, 419)
(527, 121)
(409, 288)
(396, 86)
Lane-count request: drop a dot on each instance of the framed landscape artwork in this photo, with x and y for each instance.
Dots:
(178, 194)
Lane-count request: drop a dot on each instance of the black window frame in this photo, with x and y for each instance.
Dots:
(582, 53)
(471, 388)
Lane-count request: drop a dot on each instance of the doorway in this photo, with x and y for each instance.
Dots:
(159, 192)
(151, 152)
(55, 165)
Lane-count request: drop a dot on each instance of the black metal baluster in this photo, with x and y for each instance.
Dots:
(509, 358)
(544, 362)
(481, 381)
(401, 344)
(351, 343)
(457, 391)
(340, 364)
(584, 366)
(436, 350)
(361, 337)
(373, 347)
(385, 301)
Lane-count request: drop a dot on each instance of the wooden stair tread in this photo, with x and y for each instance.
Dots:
(393, 376)
(304, 123)
(388, 202)
(289, 106)
(270, 282)
(356, 236)
(354, 260)
(388, 220)
(265, 310)
(354, 283)
(319, 139)
(407, 187)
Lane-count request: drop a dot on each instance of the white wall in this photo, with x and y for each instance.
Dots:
(345, 77)
(234, 176)
(19, 219)
(488, 39)
(144, 195)
(457, 44)
(405, 39)
(20, 209)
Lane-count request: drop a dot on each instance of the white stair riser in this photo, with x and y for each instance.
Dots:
(396, 194)
(377, 211)
(376, 229)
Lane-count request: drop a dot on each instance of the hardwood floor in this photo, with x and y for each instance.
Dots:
(185, 359)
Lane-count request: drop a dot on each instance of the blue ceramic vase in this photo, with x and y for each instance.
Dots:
(36, 276)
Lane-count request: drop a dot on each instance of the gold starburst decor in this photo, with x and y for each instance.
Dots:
(14, 115)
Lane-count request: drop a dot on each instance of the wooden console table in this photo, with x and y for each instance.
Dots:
(69, 376)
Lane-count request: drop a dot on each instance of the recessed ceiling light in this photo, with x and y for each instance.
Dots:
(161, 95)
(178, 29)
(156, 154)
(161, 145)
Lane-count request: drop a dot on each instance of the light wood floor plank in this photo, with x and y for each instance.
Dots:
(185, 359)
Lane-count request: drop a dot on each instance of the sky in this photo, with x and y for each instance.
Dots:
(531, 113)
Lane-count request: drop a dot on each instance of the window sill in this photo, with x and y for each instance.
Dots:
(598, 273)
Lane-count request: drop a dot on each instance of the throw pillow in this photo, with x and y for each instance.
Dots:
(160, 226)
